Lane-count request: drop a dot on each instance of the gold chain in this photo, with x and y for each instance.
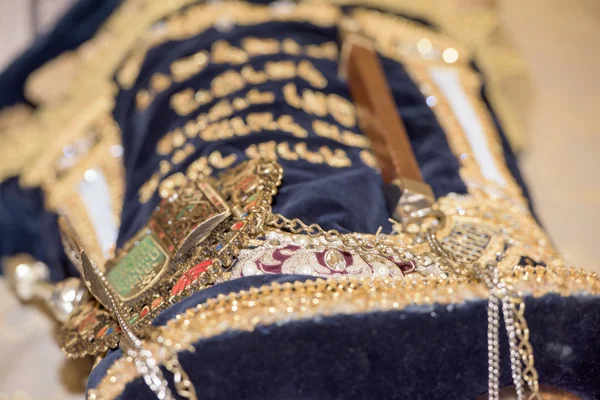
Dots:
(447, 261)
(183, 384)
(361, 244)
(530, 374)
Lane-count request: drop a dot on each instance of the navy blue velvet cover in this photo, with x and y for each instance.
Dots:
(316, 193)
(426, 352)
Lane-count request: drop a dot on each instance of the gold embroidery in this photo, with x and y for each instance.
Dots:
(336, 158)
(266, 150)
(260, 121)
(280, 70)
(220, 110)
(186, 67)
(224, 53)
(199, 18)
(164, 167)
(147, 190)
(171, 185)
(130, 70)
(143, 98)
(326, 50)
(285, 152)
(317, 103)
(332, 132)
(254, 122)
(254, 96)
(187, 100)
(199, 168)
(291, 47)
(202, 97)
(369, 159)
(314, 103)
(308, 72)
(228, 82)
(239, 103)
(182, 154)
(253, 77)
(218, 161)
(291, 95)
(178, 138)
(287, 124)
(272, 150)
(159, 82)
(239, 127)
(259, 47)
(342, 110)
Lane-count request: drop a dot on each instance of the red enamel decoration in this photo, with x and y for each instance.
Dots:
(246, 182)
(102, 331)
(249, 205)
(189, 277)
(88, 323)
(238, 226)
(157, 302)
(144, 311)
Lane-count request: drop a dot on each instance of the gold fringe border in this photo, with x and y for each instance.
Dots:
(276, 304)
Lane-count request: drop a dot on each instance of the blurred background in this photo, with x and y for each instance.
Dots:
(559, 40)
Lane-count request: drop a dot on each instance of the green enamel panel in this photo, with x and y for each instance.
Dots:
(134, 272)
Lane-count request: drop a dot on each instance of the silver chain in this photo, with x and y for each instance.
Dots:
(515, 359)
(493, 337)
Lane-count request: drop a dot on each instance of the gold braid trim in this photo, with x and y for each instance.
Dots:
(49, 83)
(277, 304)
(476, 25)
(11, 140)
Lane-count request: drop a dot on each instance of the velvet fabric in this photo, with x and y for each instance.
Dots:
(348, 199)
(26, 227)
(422, 352)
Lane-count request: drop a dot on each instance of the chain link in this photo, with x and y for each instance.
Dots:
(513, 307)
(525, 350)
(515, 360)
(493, 337)
(359, 243)
(183, 385)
